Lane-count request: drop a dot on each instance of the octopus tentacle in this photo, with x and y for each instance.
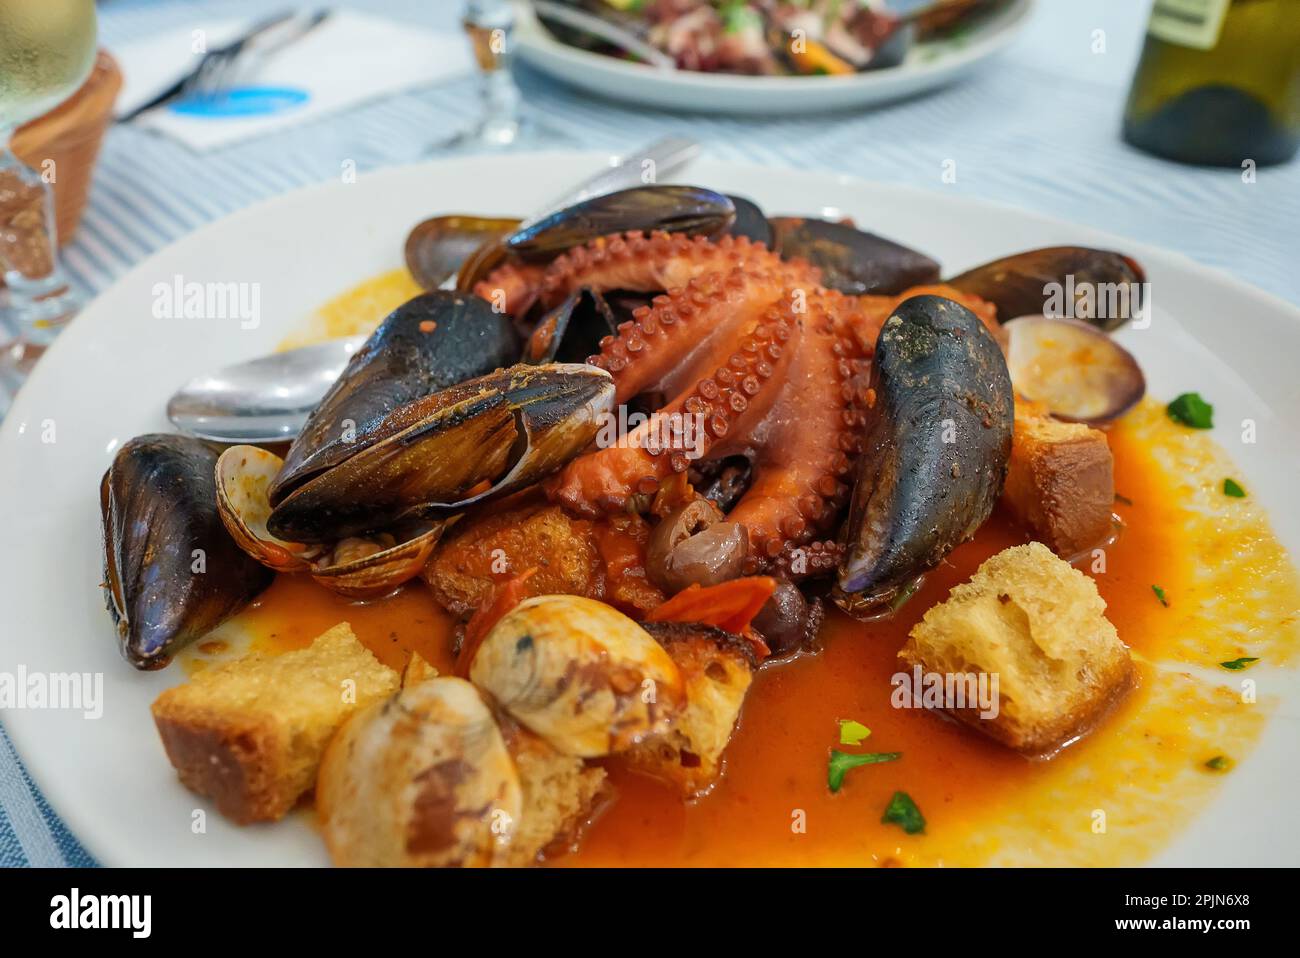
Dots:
(756, 354)
(803, 470)
(631, 261)
(724, 383)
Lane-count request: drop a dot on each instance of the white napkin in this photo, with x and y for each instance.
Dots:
(349, 58)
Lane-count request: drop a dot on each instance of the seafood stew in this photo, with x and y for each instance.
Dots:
(768, 38)
(748, 500)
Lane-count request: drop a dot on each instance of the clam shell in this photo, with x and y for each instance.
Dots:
(375, 573)
(580, 674)
(1077, 371)
(244, 476)
(422, 779)
(356, 568)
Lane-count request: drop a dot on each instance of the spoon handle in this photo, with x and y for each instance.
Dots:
(658, 159)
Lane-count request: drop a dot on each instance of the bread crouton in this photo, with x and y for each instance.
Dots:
(560, 793)
(717, 669)
(468, 563)
(598, 559)
(1060, 481)
(250, 734)
(1037, 625)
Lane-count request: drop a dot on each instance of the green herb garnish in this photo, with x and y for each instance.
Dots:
(841, 762)
(738, 17)
(1191, 410)
(1232, 488)
(852, 733)
(1220, 763)
(902, 811)
(1236, 665)
(1160, 594)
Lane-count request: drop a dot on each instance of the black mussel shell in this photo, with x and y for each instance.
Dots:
(437, 247)
(851, 260)
(439, 454)
(722, 481)
(172, 573)
(572, 331)
(937, 443)
(433, 341)
(1099, 287)
(671, 209)
(751, 222)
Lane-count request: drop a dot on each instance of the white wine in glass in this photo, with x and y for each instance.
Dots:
(47, 49)
(502, 123)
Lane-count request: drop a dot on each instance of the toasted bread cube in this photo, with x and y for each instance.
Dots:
(717, 669)
(1060, 481)
(466, 565)
(560, 793)
(250, 734)
(1038, 625)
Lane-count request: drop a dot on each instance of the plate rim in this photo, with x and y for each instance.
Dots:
(83, 826)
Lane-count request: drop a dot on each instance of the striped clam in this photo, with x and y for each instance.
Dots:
(580, 674)
(423, 779)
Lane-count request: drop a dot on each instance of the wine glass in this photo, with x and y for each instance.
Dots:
(502, 124)
(47, 49)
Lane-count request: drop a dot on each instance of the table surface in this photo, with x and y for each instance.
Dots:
(1035, 128)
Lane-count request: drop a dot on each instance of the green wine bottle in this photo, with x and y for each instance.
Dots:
(1218, 83)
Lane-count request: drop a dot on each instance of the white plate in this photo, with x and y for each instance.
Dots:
(107, 378)
(926, 67)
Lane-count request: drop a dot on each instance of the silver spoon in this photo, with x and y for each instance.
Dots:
(268, 399)
(261, 400)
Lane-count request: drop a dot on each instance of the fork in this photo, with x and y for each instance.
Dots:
(219, 68)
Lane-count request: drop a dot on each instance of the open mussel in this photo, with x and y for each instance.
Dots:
(429, 343)
(670, 209)
(572, 331)
(937, 443)
(171, 572)
(1102, 288)
(853, 261)
(436, 456)
(358, 567)
(438, 247)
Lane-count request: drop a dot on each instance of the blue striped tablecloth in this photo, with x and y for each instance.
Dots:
(1038, 128)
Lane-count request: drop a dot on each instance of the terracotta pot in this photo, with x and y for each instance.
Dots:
(70, 135)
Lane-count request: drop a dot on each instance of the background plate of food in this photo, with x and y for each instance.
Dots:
(1146, 645)
(765, 58)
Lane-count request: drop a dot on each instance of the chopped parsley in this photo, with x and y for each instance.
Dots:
(738, 17)
(1191, 410)
(902, 811)
(1220, 763)
(841, 762)
(1160, 594)
(852, 733)
(1232, 488)
(1236, 665)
